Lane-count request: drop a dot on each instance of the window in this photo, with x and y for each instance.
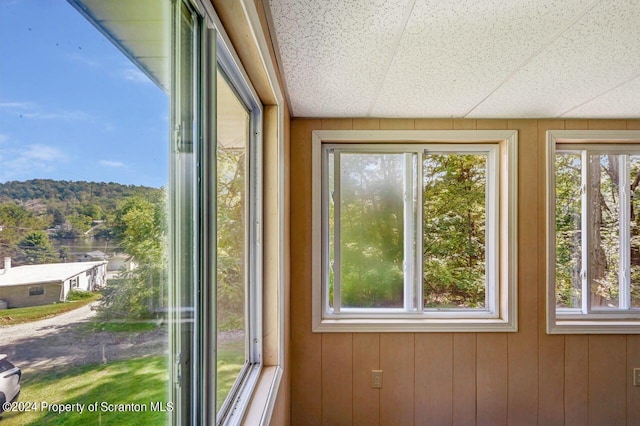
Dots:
(594, 232)
(414, 230)
(36, 291)
(217, 179)
(74, 282)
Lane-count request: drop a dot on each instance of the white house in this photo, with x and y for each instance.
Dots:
(33, 285)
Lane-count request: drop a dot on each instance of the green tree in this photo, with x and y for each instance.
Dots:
(454, 215)
(141, 229)
(231, 228)
(36, 248)
(15, 223)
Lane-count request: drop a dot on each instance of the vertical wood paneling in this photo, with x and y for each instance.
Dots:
(434, 379)
(491, 124)
(366, 357)
(576, 383)
(523, 346)
(633, 392)
(633, 124)
(366, 124)
(434, 124)
(464, 378)
(464, 124)
(397, 361)
(607, 380)
(526, 377)
(306, 348)
(337, 124)
(396, 124)
(337, 370)
(491, 388)
(551, 348)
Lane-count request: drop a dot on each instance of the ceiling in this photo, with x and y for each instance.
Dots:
(462, 58)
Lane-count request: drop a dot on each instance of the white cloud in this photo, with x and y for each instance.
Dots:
(34, 111)
(18, 163)
(58, 115)
(114, 164)
(83, 59)
(43, 153)
(16, 105)
(135, 75)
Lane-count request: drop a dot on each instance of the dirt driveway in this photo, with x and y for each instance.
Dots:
(64, 340)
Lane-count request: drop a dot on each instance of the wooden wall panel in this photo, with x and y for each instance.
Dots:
(520, 378)
(633, 392)
(337, 369)
(434, 378)
(464, 378)
(491, 379)
(366, 400)
(576, 373)
(607, 380)
(397, 361)
(523, 346)
(306, 347)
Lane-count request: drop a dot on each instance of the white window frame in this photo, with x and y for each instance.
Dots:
(586, 320)
(228, 63)
(501, 311)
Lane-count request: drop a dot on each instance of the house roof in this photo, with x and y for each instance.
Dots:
(52, 272)
(96, 253)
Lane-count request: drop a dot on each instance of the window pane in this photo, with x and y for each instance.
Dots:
(232, 237)
(83, 218)
(371, 230)
(454, 212)
(634, 179)
(568, 230)
(331, 219)
(604, 171)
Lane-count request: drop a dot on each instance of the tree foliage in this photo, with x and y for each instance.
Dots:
(605, 205)
(372, 229)
(231, 231)
(141, 230)
(36, 248)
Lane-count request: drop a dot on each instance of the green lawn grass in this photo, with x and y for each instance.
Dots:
(131, 326)
(34, 313)
(136, 381)
(230, 363)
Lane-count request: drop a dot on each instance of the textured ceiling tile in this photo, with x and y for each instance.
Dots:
(597, 54)
(334, 53)
(453, 54)
(622, 102)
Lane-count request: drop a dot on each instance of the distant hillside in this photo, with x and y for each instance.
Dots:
(69, 191)
(71, 207)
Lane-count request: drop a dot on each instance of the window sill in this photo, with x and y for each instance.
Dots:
(594, 327)
(264, 397)
(447, 325)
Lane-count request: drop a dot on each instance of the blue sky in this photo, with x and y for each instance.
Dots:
(72, 106)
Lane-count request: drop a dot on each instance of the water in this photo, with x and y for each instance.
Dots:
(77, 247)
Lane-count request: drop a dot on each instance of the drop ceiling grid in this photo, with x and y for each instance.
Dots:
(334, 53)
(454, 54)
(597, 54)
(621, 102)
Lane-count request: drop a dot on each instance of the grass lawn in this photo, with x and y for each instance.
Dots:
(136, 381)
(230, 362)
(34, 313)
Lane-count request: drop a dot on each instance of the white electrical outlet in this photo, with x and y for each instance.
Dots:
(376, 379)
